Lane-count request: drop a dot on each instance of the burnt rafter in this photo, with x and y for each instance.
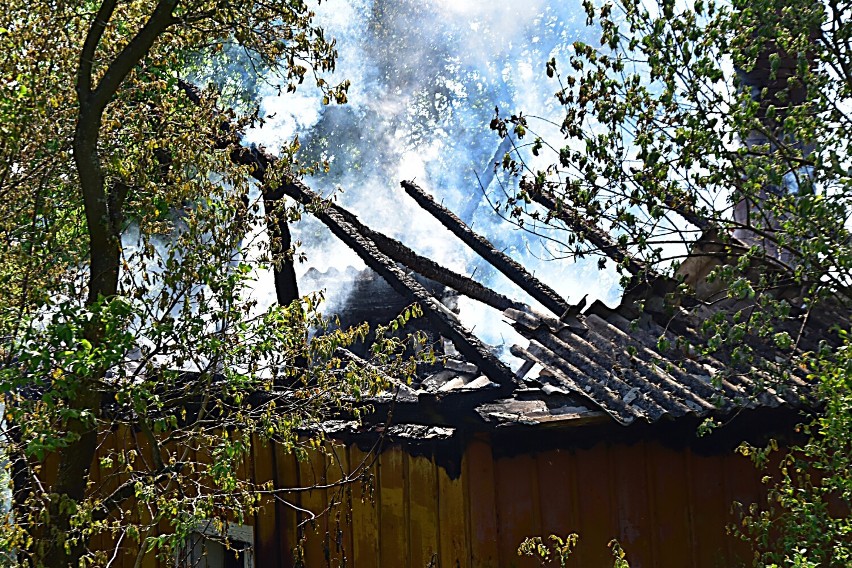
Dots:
(512, 269)
(443, 319)
(600, 239)
(427, 267)
(259, 161)
(378, 251)
(688, 212)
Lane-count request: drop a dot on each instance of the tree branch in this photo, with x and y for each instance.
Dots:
(133, 52)
(87, 55)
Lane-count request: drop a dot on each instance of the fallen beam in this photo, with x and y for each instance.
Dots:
(444, 321)
(514, 271)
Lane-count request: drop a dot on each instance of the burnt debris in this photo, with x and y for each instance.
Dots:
(443, 319)
(588, 365)
(479, 244)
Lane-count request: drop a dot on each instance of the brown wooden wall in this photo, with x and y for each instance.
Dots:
(667, 507)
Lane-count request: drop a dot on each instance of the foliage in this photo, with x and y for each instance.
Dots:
(618, 554)
(562, 549)
(131, 341)
(706, 150)
(653, 123)
(807, 522)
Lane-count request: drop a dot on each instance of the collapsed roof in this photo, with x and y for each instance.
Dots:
(592, 363)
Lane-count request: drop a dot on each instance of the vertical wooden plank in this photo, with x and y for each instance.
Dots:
(352, 488)
(482, 505)
(452, 510)
(708, 511)
(150, 560)
(594, 500)
(668, 484)
(145, 451)
(265, 538)
(311, 473)
(632, 507)
(339, 515)
(100, 541)
(516, 505)
(125, 440)
(246, 473)
(106, 481)
(557, 493)
(202, 458)
(393, 545)
(742, 481)
(287, 520)
(423, 511)
(132, 548)
(365, 515)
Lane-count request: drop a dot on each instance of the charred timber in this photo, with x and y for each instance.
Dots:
(600, 239)
(688, 212)
(286, 288)
(280, 240)
(434, 271)
(444, 321)
(426, 266)
(514, 271)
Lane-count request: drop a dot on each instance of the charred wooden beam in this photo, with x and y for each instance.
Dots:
(286, 288)
(514, 271)
(428, 267)
(280, 240)
(598, 238)
(444, 321)
(688, 212)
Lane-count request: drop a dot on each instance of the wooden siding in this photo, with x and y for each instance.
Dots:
(667, 507)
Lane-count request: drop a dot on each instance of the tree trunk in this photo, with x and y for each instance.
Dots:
(104, 252)
(103, 208)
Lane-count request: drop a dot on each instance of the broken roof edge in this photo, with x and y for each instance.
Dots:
(576, 431)
(649, 390)
(619, 368)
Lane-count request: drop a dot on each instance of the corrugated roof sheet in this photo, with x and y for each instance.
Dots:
(617, 366)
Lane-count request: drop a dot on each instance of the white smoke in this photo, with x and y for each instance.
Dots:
(426, 76)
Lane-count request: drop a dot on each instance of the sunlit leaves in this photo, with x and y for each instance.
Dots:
(177, 357)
